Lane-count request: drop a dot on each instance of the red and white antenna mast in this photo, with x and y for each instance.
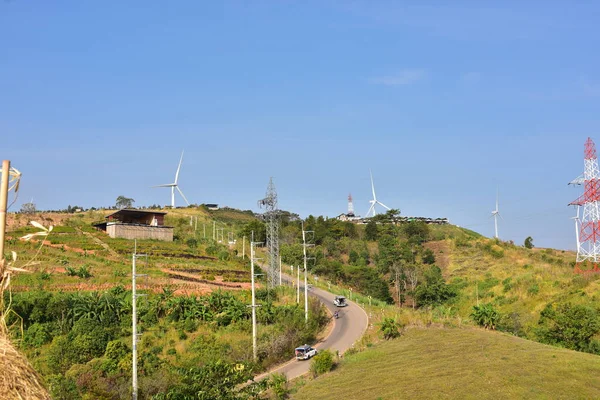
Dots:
(588, 239)
(350, 206)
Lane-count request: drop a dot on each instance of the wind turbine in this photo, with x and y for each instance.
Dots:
(496, 214)
(374, 201)
(174, 186)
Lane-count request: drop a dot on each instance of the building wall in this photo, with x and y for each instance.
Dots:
(139, 232)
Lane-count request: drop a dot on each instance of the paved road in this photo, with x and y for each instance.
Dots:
(348, 328)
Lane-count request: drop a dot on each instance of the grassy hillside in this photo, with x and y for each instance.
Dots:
(459, 364)
(72, 317)
(192, 263)
(518, 282)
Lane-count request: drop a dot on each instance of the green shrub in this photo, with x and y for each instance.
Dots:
(485, 315)
(507, 285)
(434, 291)
(37, 335)
(321, 363)
(428, 257)
(569, 325)
(390, 328)
(533, 289)
(279, 384)
(190, 325)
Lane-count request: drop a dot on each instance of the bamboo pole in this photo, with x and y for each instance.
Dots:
(3, 203)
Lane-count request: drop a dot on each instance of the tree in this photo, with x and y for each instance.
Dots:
(416, 231)
(371, 231)
(410, 280)
(569, 325)
(434, 290)
(28, 208)
(258, 228)
(124, 202)
(428, 257)
(529, 242)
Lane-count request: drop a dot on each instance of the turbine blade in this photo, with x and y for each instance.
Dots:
(165, 185)
(383, 205)
(370, 209)
(372, 186)
(496, 200)
(178, 168)
(181, 193)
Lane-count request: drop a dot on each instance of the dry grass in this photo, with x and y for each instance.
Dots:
(460, 364)
(18, 379)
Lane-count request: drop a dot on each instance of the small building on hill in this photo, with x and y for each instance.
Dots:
(137, 224)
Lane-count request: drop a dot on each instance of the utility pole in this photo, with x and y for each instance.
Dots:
(204, 228)
(305, 273)
(280, 270)
(135, 335)
(298, 286)
(252, 259)
(196, 224)
(214, 229)
(244, 248)
(3, 202)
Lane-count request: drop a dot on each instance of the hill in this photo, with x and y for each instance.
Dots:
(421, 275)
(192, 263)
(459, 364)
(72, 314)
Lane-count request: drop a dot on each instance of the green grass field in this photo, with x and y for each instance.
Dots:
(459, 364)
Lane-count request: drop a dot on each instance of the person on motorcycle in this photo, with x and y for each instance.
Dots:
(336, 314)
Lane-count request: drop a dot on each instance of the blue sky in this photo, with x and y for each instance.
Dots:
(444, 103)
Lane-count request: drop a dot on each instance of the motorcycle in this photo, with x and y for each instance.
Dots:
(336, 315)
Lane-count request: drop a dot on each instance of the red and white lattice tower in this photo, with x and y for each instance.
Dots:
(588, 238)
(350, 206)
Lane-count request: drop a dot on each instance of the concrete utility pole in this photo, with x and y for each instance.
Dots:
(305, 273)
(135, 335)
(244, 248)
(214, 229)
(254, 345)
(3, 203)
(279, 270)
(298, 286)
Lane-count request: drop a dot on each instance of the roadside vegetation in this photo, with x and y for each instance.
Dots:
(408, 276)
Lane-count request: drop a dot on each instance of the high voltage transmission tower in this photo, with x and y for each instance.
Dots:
(587, 230)
(272, 221)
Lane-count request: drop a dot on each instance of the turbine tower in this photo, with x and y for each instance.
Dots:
(374, 201)
(272, 220)
(496, 214)
(350, 206)
(174, 186)
(588, 239)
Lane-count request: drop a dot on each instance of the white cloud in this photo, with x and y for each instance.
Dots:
(403, 77)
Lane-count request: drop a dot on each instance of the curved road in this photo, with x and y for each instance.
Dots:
(348, 328)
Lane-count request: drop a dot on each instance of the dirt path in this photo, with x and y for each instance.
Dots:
(99, 242)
